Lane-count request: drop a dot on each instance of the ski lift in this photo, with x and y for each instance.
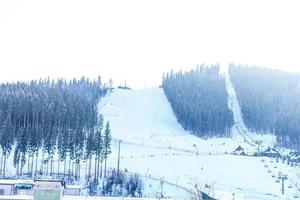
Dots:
(290, 186)
(277, 181)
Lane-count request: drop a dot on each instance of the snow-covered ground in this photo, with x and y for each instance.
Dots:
(154, 144)
(158, 148)
(239, 129)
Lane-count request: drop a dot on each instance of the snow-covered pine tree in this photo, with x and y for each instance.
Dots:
(107, 145)
(89, 151)
(98, 147)
(6, 141)
(22, 147)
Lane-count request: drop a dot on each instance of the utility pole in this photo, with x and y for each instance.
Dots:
(258, 143)
(199, 194)
(118, 167)
(283, 177)
(177, 182)
(147, 173)
(161, 187)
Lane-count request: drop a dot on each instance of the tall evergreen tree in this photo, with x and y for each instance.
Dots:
(98, 148)
(6, 141)
(107, 145)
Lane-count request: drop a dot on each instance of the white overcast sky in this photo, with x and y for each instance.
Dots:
(138, 40)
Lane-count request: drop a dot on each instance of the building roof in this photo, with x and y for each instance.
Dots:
(73, 187)
(15, 181)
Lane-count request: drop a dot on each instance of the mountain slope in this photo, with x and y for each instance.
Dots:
(269, 101)
(199, 100)
(153, 143)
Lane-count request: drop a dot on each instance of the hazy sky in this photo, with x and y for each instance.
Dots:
(138, 40)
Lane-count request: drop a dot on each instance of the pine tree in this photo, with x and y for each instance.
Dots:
(89, 147)
(22, 147)
(98, 147)
(107, 145)
(62, 148)
(6, 141)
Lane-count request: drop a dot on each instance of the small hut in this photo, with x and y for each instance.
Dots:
(271, 152)
(73, 190)
(295, 156)
(16, 187)
(48, 189)
(239, 151)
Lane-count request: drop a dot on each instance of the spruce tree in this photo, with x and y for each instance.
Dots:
(6, 141)
(98, 147)
(107, 145)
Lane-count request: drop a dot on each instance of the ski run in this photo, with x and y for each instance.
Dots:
(176, 163)
(154, 145)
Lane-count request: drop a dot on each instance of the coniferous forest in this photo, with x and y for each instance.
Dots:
(199, 100)
(41, 119)
(269, 101)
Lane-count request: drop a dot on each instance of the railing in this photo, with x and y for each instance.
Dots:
(23, 197)
(16, 197)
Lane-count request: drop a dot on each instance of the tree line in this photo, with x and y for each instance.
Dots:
(269, 101)
(199, 100)
(118, 184)
(45, 119)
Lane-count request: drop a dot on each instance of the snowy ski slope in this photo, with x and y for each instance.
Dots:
(156, 146)
(239, 129)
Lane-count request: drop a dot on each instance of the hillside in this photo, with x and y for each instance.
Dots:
(170, 159)
(269, 101)
(199, 100)
(154, 144)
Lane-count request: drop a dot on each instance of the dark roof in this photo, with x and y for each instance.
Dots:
(239, 151)
(271, 152)
(206, 197)
(295, 156)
